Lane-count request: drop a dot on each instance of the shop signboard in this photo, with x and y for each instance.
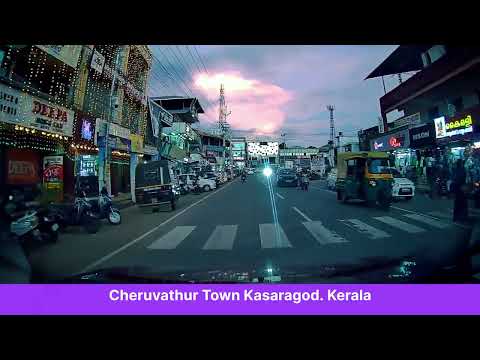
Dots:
(98, 61)
(422, 136)
(53, 169)
(136, 143)
(398, 140)
(23, 167)
(158, 114)
(455, 126)
(23, 109)
(119, 131)
(68, 54)
(53, 177)
(85, 126)
(411, 120)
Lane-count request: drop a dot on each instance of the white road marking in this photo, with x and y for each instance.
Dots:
(428, 220)
(141, 237)
(301, 213)
(439, 214)
(370, 231)
(322, 234)
(172, 239)
(280, 196)
(273, 236)
(412, 229)
(222, 238)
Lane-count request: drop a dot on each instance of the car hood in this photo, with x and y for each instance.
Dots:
(372, 270)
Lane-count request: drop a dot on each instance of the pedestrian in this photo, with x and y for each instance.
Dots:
(460, 205)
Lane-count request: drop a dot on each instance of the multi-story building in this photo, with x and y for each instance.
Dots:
(38, 122)
(440, 105)
(56, 103)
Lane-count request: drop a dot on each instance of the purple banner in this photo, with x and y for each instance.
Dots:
(251, 299)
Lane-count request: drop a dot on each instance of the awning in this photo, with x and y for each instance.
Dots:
(403, 59)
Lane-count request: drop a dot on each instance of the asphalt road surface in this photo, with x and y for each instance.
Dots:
(255, 224)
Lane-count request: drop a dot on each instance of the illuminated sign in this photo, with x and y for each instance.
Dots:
(391, 142)
(444, 128)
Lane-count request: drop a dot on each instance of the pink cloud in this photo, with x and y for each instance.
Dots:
(253, 103)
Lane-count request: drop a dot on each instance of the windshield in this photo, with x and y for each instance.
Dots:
(265, 128)
(395, 173)
(378, 166)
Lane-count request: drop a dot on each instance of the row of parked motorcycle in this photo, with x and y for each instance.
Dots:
(31, 222)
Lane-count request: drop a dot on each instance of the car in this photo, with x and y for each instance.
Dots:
(213, 176)
(250, 172)
(204, 183)
(402, 188)
(332, 179)
(286, 177)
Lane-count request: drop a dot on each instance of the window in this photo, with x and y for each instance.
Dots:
(351, 167)
(378, 166)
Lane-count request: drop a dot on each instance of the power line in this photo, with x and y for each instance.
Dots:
(195, 48)
(193, 59)
(175, 71)
(187, 68)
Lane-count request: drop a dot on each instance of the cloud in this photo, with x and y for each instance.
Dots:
(280, 88)
(254, 104)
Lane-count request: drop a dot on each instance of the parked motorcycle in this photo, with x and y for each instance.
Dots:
(78, 213)
(29, 222)
(104, 208)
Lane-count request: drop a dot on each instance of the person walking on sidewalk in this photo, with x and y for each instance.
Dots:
(460, 205)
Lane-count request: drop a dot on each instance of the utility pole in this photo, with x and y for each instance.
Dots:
(222, 117)
(331, 108)
(284, 147)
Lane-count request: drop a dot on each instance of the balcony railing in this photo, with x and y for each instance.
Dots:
(428, 76)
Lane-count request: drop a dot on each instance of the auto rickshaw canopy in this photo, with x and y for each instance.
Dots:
(342, 159)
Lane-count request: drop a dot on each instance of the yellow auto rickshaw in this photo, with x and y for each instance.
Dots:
(365, 176)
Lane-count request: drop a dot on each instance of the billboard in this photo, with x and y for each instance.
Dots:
(398, 140)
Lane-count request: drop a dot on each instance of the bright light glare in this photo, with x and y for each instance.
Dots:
(267, 172)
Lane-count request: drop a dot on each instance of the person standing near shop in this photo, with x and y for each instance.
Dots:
(430, 174)
(460, 206)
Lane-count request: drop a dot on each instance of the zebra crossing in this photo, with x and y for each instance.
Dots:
(273, 235)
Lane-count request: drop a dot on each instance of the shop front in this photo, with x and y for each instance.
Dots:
(32, 130)
(114, 158)
(458, 138)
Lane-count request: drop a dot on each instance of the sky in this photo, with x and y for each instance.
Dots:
(277, 89)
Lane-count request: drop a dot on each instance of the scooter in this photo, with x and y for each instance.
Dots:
(28, 222)
(78, 213)
(105, 210)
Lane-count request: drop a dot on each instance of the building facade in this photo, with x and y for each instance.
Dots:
(440, 103)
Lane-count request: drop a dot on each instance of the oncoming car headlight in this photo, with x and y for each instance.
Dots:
(372, 183)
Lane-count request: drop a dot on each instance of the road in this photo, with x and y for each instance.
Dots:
(253, 225)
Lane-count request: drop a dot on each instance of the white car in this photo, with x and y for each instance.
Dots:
(332, 179)
(205, 184)
(403, 188)
(250, 172)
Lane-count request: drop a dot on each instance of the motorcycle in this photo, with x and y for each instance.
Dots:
(78, 213)
(29, 222)
(105, 210)
(441, 186)
(244, 178)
